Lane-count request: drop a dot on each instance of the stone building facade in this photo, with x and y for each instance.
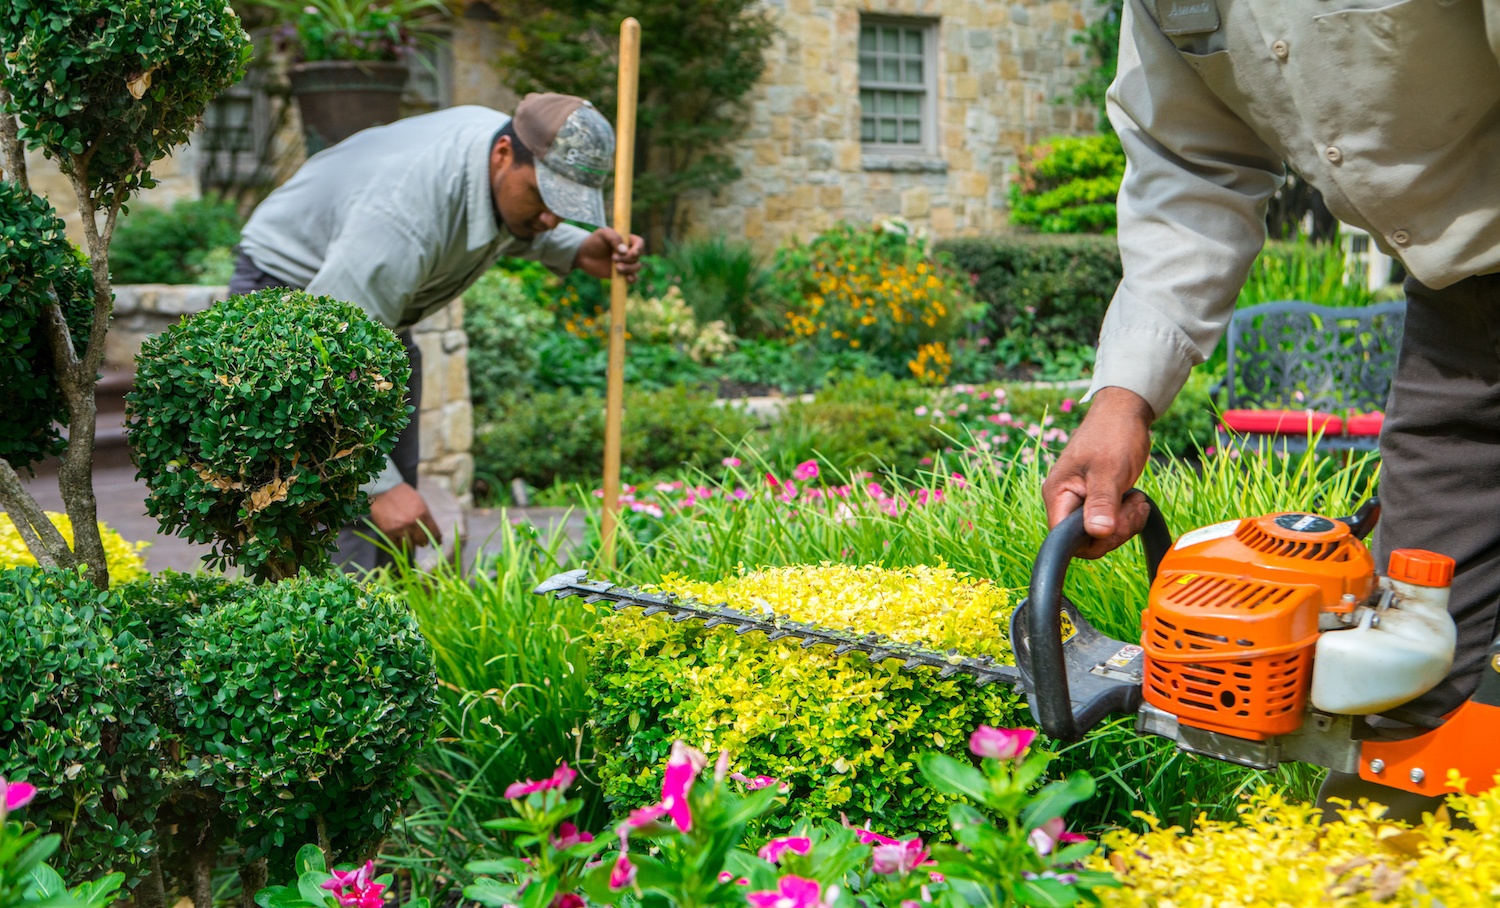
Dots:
(971, 82)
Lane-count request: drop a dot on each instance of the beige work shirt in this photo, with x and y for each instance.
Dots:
(1392, 110)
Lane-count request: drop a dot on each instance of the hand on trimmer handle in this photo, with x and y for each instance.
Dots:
(1102, 460)
(1043, 652)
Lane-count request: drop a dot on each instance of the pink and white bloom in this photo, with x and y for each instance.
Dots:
(899, 857)
(1046, 837)
(1001, 743)
(568, 836)
(874, 838)
(1067, 405)
(559, 781)
(773, 850)
(623, 873)
(683, 766)
(16, 794)
(759, 782)
(790, 892)
(805, 471)
(725, 877)
(731, 462)
(568, 900)
(356, 888)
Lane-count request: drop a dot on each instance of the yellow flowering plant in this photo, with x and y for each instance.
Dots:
(1279, 854)
(878, 289)
(123, 558)
(843, 733)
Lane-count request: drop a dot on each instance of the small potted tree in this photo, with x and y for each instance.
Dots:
(350, 60)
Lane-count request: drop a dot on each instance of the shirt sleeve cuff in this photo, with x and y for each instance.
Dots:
(389, 478)
(558, 248)
(1145, 362)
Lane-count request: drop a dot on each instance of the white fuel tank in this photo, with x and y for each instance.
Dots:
(1396, 655)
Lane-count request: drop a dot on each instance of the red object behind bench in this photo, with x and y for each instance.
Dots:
(1366, 425)
(1283, 422)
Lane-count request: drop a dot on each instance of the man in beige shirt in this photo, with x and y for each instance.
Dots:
(400, 219)
(1392, 110)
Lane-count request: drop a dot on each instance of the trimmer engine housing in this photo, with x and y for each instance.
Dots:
(1233, 618)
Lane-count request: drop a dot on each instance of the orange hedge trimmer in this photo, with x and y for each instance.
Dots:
(1265, 640)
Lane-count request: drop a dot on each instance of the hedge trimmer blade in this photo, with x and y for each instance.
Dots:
(983, 669)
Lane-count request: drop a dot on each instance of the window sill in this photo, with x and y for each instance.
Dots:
(903, 163)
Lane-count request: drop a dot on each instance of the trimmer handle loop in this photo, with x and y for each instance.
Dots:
(1048, 666)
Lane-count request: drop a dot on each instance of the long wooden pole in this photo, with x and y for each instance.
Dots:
(630, 66)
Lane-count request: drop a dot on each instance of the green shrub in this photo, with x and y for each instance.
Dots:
(722, 279)
(861, 423)
(307, 702)
(761, 366)
(1068, 184)
(1046, 297)
(73, 676)
(172, 245)
(879, 289)
(35, 259)
(843, 733)
(255, 422)
(503, 324)
(147, 69)
(559, 436)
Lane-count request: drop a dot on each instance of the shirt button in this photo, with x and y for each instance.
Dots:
(1280, 50)
(1401, 237)
(1333, 155)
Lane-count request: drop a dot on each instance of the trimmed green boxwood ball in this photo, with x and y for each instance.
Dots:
(72, 684)
(254, 424)
(35, 259)
(144, 68)
(307, 702)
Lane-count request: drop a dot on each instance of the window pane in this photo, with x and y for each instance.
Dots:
(867, 129)
(890, 40)
(911, 132)
(867, 69)
(890, 69)
(888, 131)
(866, 38)
(911, 104)
(914, 41)
(888, 102)
(914, 71)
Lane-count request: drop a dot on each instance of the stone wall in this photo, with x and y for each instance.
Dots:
(176, 176)
(447, 418)
(1001, 68)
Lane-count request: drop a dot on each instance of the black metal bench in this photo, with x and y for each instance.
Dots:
(1297, 368)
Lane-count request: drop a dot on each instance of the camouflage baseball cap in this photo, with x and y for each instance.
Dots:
(574, 148)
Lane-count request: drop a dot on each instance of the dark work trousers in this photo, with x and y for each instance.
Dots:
(1440, 487)
(357, 548)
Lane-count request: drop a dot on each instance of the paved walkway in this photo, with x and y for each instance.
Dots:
(122, 507)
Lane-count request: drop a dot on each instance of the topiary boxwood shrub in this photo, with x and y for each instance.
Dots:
(306, 702)
(255, 422)
(74, 669)
(36, 260)
(843, 733)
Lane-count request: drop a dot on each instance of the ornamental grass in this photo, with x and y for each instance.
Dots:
(1277, 854)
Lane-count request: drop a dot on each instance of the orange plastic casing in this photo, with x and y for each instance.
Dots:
(1232, 619)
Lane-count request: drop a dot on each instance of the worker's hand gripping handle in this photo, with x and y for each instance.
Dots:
(1048, 663)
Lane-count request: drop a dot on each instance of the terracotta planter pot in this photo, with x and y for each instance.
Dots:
(340, 97)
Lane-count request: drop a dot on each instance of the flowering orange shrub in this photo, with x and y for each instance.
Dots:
(877, 289)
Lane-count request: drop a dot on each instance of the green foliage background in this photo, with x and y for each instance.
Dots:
(171, 245)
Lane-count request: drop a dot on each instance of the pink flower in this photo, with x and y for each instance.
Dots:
(568, 900)
(645, 816)
(346, 879)
(17, 794)
(875, 838)
(683, 765)
(1050, 834)
(568, 836)
(759, 782)
(806, 470)
(559, 781)
(623, 873)
(920, 411)
(1001, 743)
(726, 876)
(1067, 405)
(898, 857)
(791, 892)
(354, 888)
(773, 850)
(731, 462)
(772, 481)
(650, 510)
(788, 491)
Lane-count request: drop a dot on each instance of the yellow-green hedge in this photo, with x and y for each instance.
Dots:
(122, 558)
(1277, 855)
(843, 733)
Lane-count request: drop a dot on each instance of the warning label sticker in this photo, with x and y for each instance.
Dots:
(1207, 534)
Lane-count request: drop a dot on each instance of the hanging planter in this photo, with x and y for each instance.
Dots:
(338, 98)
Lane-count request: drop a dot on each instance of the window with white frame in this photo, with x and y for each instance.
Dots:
(898, 84)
